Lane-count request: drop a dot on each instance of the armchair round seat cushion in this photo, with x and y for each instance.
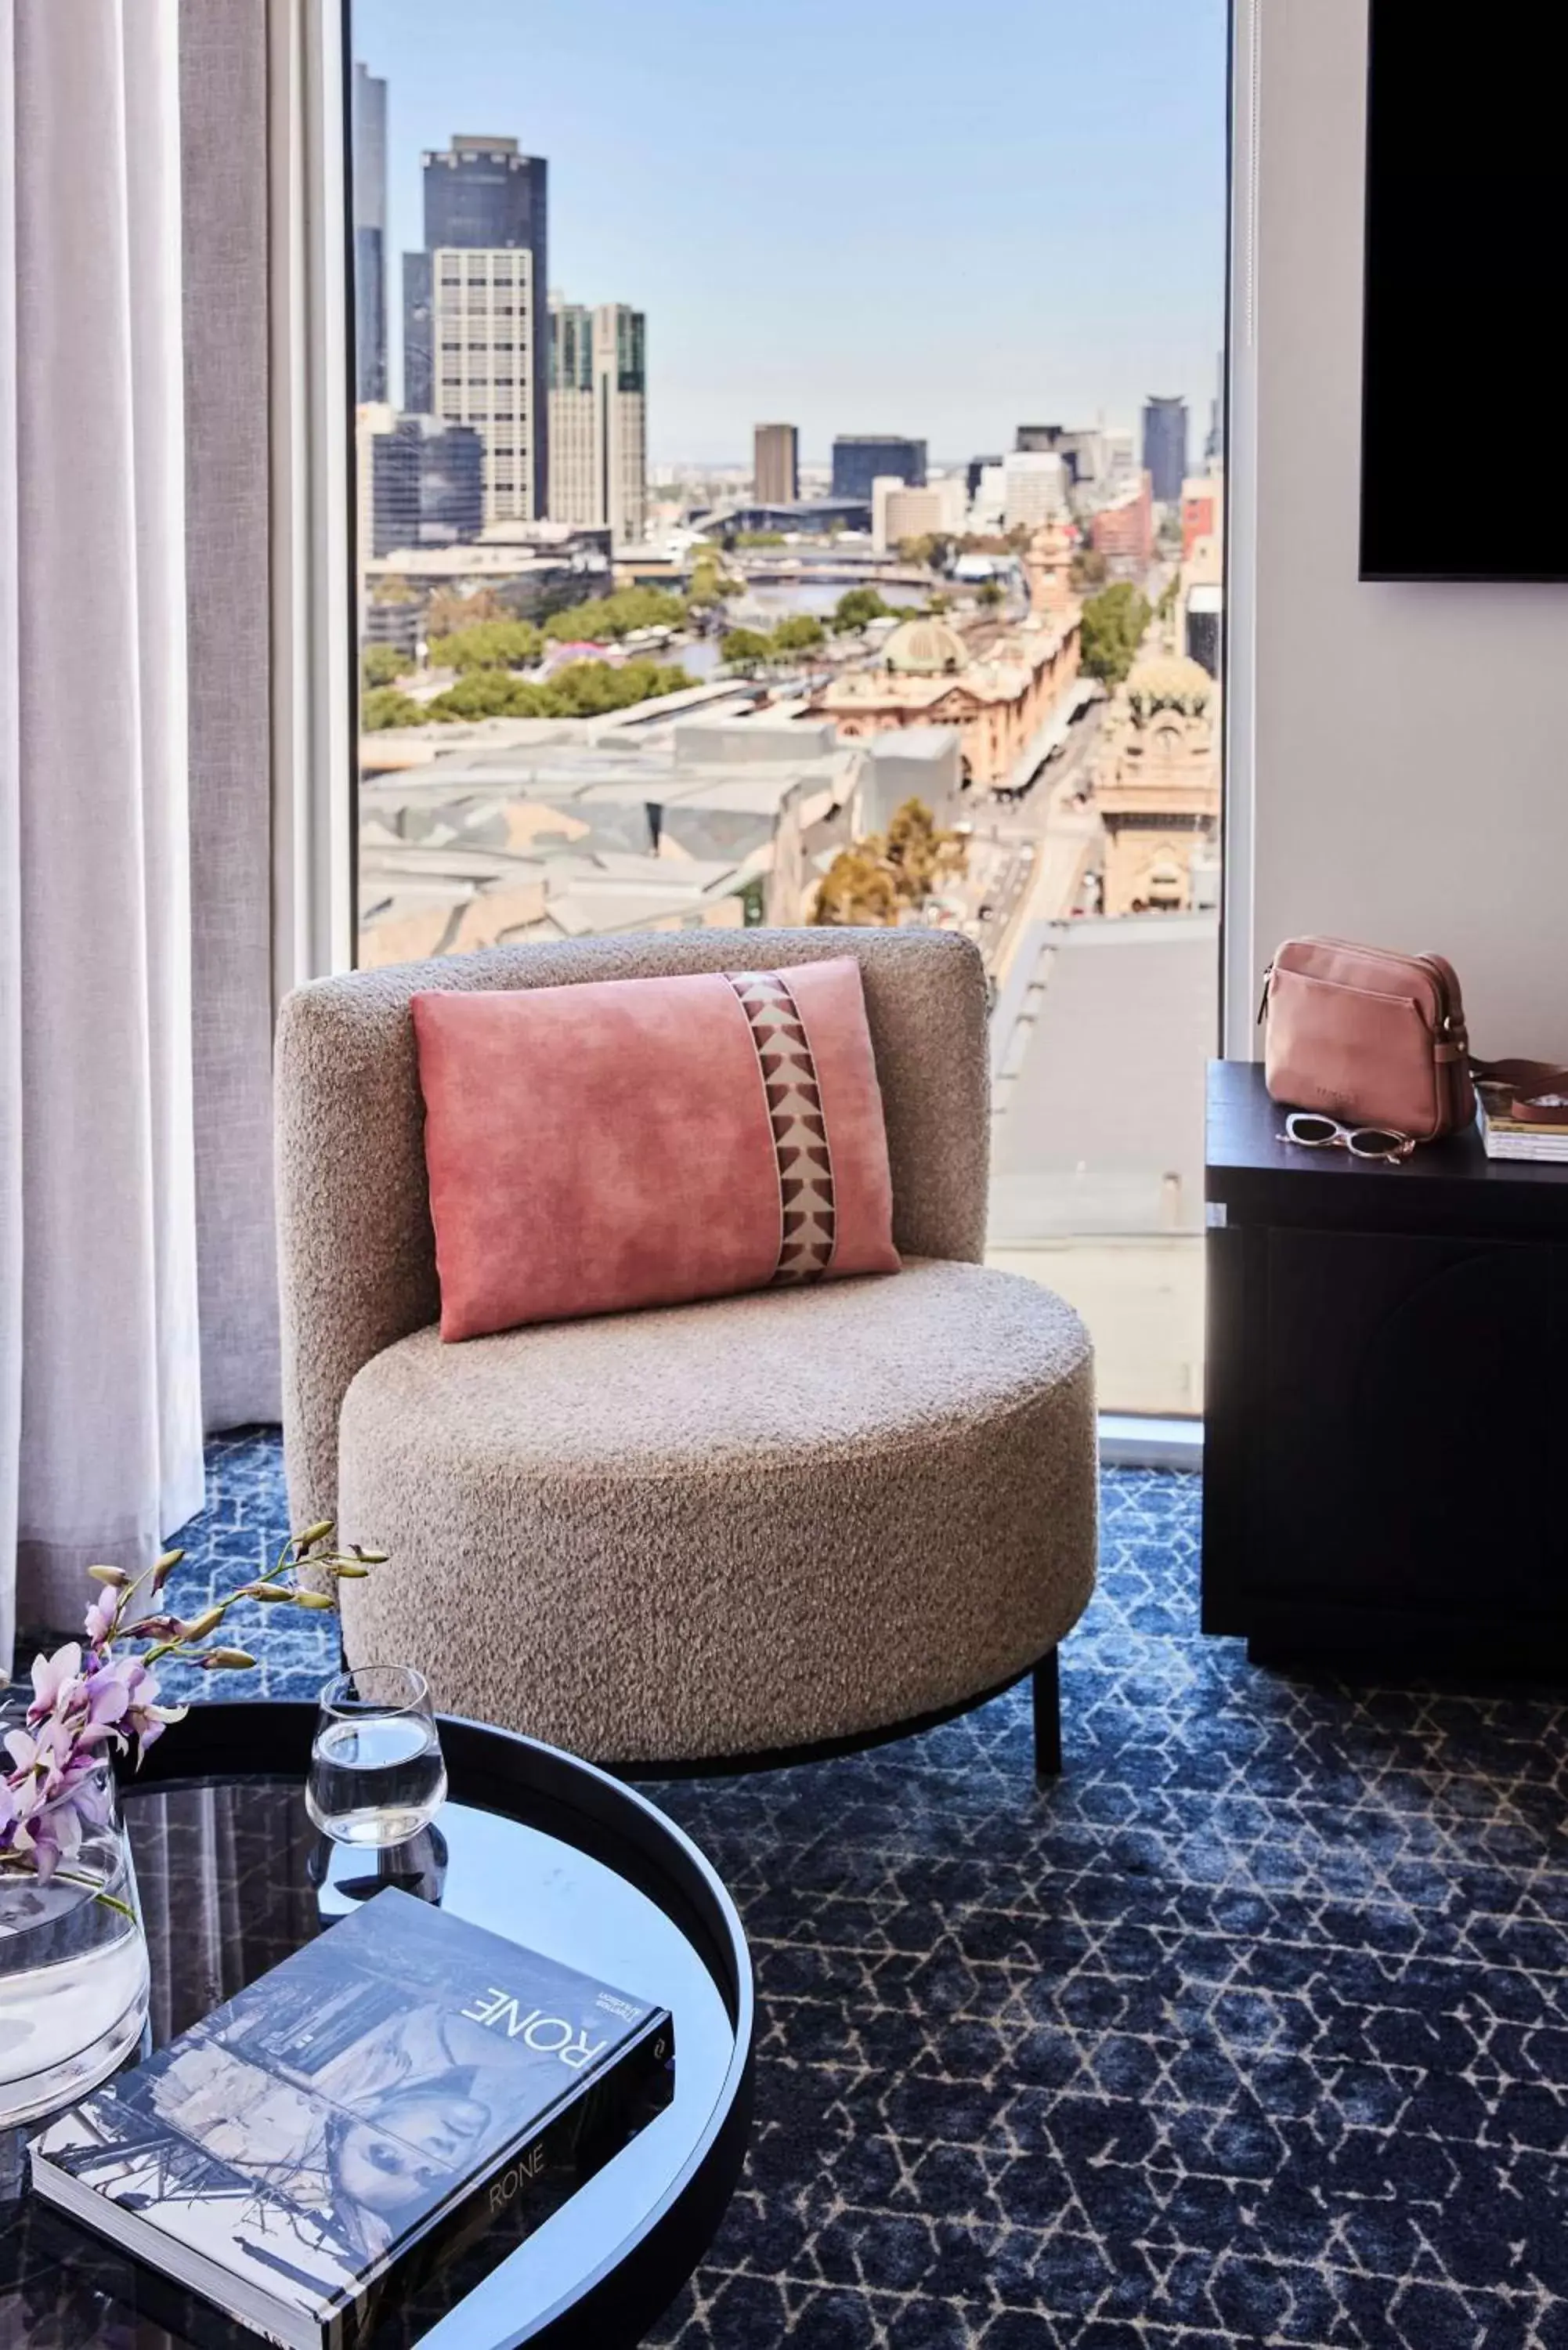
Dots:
(733, 1527)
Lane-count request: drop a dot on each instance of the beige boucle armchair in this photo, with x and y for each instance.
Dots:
(711, 1533)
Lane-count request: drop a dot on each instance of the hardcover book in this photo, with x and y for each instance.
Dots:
(389, 2097)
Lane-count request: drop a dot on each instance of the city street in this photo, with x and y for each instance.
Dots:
(1030, 854)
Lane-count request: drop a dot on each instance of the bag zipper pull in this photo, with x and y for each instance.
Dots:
(1264, 999)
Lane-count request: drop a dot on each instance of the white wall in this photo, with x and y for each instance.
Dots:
(1408, 743)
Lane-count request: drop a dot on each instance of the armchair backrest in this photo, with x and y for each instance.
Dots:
(356, 1253)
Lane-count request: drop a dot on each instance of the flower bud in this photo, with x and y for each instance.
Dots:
(317, 1533)
(369, 1557)
(312, 1598)
(115, 1577)
(200, 1626)
(344, 1574)
(268, 1591)
(226, 1660)
(164, 1567)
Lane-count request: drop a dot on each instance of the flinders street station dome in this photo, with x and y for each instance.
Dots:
(1169, 682)
(925, 647)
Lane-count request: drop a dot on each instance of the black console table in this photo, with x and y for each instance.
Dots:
(1386, 1398)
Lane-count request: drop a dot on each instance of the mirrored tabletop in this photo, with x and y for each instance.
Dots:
(534, 1846)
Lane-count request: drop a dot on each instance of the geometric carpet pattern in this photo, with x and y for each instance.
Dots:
(1252, 2029)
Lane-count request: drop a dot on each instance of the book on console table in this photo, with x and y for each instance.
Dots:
(400, 2091)
(1503, 1136)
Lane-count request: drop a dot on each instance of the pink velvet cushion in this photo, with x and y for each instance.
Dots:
(643, 1142)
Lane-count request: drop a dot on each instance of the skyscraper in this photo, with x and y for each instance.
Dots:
(775, 464)
(861, 458)
(620, 396)
(369, 116)
(427, 484)
(485, 280)
(574, 492)
(418, 360)
(1164, 446)
(598, 418)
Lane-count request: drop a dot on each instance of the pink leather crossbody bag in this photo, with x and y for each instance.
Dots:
(1367, 1035)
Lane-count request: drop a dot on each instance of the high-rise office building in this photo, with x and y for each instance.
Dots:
(860, 459)
(574, 492)
(598, 418)
(620, 395)
(369, 166)
(1034, 488)
(775, 464)
(972, 472)
(484, 287)
(1164, 446)
(482, 309)
(1080, 447)
(427, 484)
(419, 363)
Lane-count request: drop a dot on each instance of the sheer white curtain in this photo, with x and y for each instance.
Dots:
(101, 1415)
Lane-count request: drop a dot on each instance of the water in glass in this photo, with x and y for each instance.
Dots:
(377, 1776)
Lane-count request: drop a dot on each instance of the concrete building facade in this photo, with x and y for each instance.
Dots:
(775, 464)
(899, 512)
(620, 398)
(483, 314)
(1034, 488)
(573, 495)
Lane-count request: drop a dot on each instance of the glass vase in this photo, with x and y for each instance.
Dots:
(73, 1968)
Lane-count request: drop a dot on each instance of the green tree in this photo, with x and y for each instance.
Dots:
(744, 648)
(801, 633)
(384, 706)
(1168, 596)
(449, 611)
(381, 665)
(759, 538)
(585, 688)
(1113, 628)
(617, 615)
(940, 602)
(991, 593)
(856, 606)
(490, 694)
(589, 689)
(490, 644)
(1089, 568)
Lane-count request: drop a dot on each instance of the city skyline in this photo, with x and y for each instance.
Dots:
(1072, 215)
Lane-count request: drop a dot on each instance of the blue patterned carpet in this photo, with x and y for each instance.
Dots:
(1253, 2029)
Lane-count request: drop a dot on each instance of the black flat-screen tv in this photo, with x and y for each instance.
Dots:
(1464, 466)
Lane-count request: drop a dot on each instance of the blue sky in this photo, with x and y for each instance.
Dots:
(861, 215)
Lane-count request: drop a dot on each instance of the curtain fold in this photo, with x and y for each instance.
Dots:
(101, 1454)
(228, 531)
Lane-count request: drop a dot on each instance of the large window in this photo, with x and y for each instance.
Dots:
(790, 488)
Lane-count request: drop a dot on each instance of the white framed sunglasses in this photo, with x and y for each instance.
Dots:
(1312, 1131)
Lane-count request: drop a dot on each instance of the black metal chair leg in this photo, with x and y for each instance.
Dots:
(1048, 1719)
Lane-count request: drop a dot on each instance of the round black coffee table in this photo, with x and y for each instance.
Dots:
(530, 1844)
